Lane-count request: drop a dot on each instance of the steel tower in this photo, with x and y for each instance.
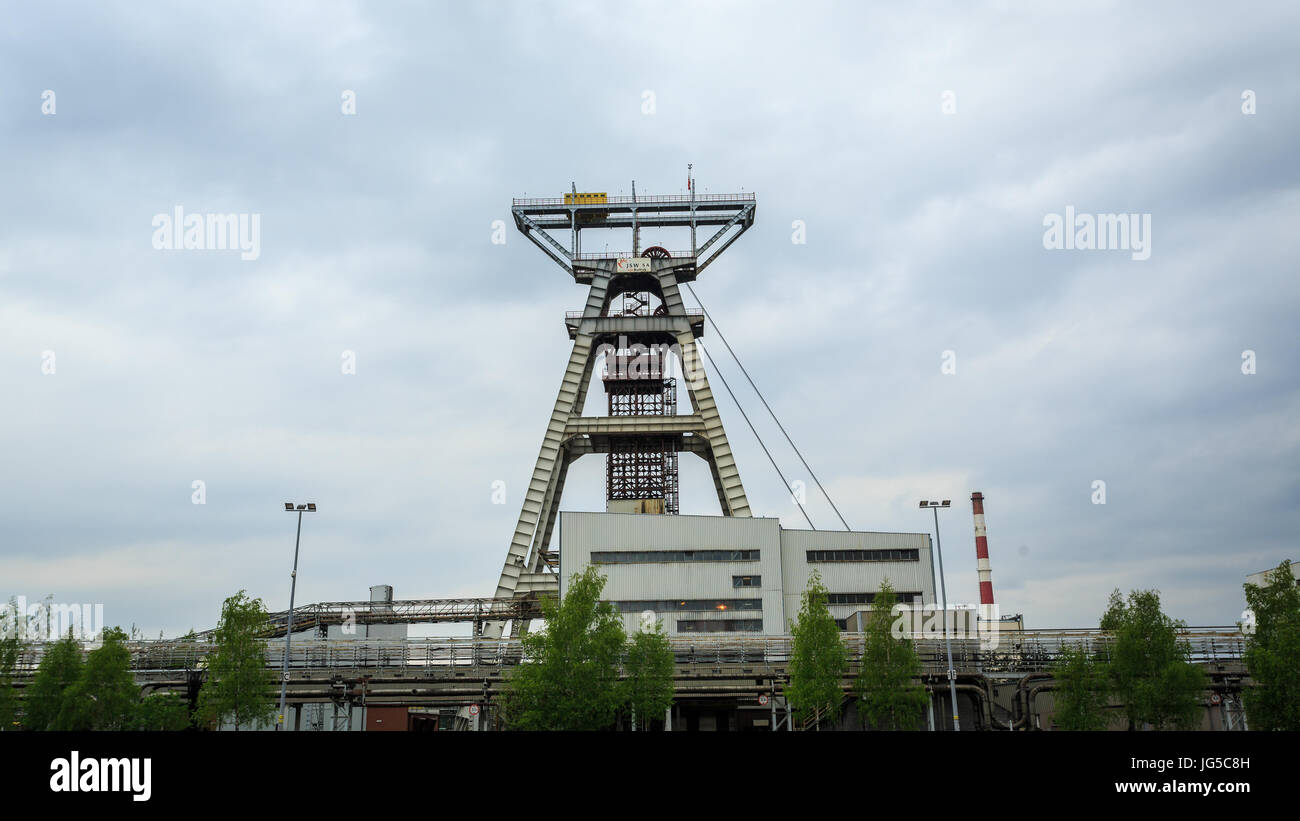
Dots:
(639, 340)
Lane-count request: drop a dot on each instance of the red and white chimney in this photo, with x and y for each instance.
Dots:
(987, 610)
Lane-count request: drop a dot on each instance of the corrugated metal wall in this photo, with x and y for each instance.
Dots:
(782, 563)
(853, 577)
(583, 533)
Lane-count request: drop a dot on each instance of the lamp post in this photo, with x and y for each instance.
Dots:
(290, 507)
(943, 588)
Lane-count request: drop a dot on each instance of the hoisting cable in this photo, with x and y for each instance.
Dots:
(755, 432)
(709, 317)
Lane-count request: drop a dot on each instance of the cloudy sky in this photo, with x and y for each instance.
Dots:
(922, 149)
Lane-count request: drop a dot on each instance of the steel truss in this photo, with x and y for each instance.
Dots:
(642, 446)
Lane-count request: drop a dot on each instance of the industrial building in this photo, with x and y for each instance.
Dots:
(726, 575)
(733, 573)
(1265, 577)
(725, 588)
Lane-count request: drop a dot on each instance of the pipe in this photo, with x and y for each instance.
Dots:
(1033, 696)
(993, 719)
(982, 705)
(1021, 692)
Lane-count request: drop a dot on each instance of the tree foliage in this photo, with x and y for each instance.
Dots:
(570, 681)
(818, 658)
(1273, 652)
(106, 695)
(239, 688)
(46, 702)
(649, 683)
(10, 645)
(1082, 690)
(161, 712)
(1149, 667)
(890, 696)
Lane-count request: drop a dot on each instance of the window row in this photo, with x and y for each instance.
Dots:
(864, 555)
(648, 556)
(688, 605)
(719, 625)
(868, 598)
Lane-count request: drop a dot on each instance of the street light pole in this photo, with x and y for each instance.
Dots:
(310, 507)
(943, 588)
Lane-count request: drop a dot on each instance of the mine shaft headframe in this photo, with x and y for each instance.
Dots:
(726, 215)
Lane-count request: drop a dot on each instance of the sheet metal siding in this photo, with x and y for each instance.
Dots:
(782, 564)
(852, 577)
(583, 533)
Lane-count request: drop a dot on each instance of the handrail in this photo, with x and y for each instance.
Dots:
(1027, 651)
(606, 255)
(691, 312)
(626, 200)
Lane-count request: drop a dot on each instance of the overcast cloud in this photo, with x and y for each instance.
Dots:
(924, 235)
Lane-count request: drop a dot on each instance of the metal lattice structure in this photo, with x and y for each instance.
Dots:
(643, 469)
(402, 611)
(636, 384)
(622, 286)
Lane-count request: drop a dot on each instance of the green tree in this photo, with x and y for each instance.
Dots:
(570, 679)
(1273, 652)
(46, 703)
(1082, 690)
(818, 658)
(1150, 668)
(10, 646)
(890, 696)
(649, 669)
(239, 688)
(105, 696)
(161, 711)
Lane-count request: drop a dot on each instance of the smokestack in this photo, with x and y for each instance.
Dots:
(982, 558)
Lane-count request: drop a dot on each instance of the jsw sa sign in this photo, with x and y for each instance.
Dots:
(633, 265)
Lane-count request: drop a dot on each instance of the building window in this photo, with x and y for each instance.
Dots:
(868, 598)
(864, 555)
(649, 556)
(689, 605)
(746, 581)
(719, 625)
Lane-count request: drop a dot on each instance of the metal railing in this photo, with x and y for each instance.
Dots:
(656, 200)
(694, 313)
(608, 255)
(1028, 651)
